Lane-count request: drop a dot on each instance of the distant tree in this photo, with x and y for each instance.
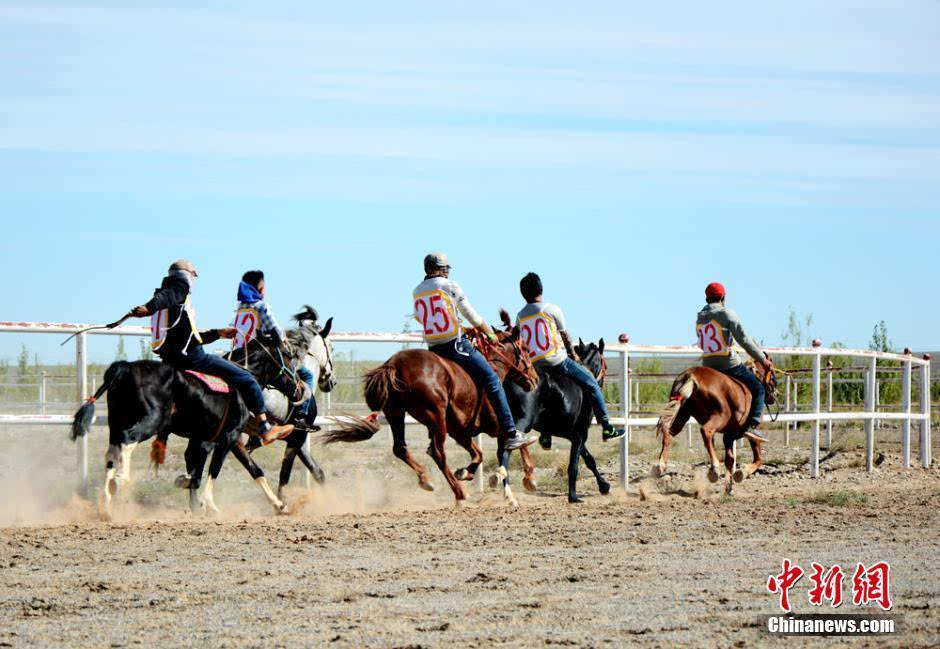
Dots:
(121, 353)
(146, 354)
(22, 362)
(879, 339)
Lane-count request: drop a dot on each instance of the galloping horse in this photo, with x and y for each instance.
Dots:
(314, 350)
(719, 404)
(442, 396)
(560, 407)
(148, 398)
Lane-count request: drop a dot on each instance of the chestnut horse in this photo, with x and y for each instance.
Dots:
(441, 395)
(719, 404)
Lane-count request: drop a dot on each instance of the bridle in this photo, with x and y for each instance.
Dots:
(489, 349)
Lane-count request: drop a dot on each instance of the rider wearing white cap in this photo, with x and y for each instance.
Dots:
(438, 304)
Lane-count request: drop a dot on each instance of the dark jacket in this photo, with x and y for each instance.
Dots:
(172, 296)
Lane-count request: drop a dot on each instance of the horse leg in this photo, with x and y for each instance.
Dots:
(400, 449)
(573, 459)
(476, 458)
(660, 470)
(528, 467)
(215, 467)
(749, 470)
(502, 473)
(111, 460)
(287, 465)
(708, 436)
(242, 455)
(602, 485)
(436, 450)
(196, 454)
(729, 462)
(311, 464)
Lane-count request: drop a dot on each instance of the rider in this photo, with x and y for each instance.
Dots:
(253, 317)
(543, 326)
(437, 303)
(176, 340)
(717, 327)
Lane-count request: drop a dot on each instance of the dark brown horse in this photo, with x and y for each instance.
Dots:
(719, 404)
(441, 395)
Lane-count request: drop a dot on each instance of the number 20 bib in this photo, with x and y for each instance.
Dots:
(540, 335)
(437, 316)
(712, 340)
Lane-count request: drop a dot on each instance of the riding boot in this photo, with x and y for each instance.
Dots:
(751, 432)
(515, 439)
(612, 433)
(267, 433)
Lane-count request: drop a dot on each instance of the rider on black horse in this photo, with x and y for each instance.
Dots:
(717, 327)
(176, 340)
(438, 303)
(254, 317)
(543, 329)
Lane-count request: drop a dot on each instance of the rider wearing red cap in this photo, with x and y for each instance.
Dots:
(718, 327)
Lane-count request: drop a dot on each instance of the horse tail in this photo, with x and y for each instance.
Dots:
(357, 429)
(380, 383)
(81, 424)
(682, 388)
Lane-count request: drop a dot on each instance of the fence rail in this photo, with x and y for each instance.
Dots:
(624, 352)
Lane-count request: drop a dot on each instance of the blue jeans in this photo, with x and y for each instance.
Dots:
(305, 375)
(466, 356)
(580, 375)
(752, 383)
(236, 376)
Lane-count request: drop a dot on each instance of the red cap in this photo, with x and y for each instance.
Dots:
(714, 290)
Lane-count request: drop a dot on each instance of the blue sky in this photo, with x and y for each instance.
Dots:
(629, 153)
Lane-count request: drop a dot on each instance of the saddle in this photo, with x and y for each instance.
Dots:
(214, 383)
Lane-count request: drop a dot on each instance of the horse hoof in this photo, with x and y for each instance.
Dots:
(494, 480)
(574, 501)
(182, 481)
(427, 486)
(463, 474)
(459, 504)
(112, 486)
(604, 488)
(282, 510)
(738, 476)
(530, 485)
(656, 471)
(712, 475)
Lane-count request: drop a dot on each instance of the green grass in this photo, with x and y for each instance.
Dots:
(838, 498)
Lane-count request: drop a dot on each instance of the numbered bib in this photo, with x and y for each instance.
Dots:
(540, 335)
(160, 324)
(435, 312)
(712, 340)
(246, 326)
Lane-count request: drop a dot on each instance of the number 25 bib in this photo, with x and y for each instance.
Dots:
(540, 335)
(712, 340)
(437, 316)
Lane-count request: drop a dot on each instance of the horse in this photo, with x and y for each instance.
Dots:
(560, 407)
(149, 398)
(262, 358)
(720, 404)
(318, 358)
(441, 395)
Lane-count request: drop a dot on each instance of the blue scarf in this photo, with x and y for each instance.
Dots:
(248, 293)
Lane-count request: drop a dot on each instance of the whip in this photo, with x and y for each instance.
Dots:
(111, 325)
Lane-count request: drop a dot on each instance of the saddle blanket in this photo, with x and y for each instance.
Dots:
(214, 383)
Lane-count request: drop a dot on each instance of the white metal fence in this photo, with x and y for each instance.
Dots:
(816, 415)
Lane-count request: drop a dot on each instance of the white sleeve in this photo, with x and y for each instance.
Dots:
(464, 307)
(556, 313)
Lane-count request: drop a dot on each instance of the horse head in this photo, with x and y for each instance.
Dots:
(592, 357)
(312, 347)
(520, 369)
(768, 379)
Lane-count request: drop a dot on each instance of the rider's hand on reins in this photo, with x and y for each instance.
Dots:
(228, 332)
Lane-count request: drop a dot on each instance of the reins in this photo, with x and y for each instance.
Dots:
(487, 347)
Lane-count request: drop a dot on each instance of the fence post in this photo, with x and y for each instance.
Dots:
(877, 400)
(925, 455)
(478, 478)
(906, 408)
(870, 400)
(42, 393)
(814, 451)
(625, 405)
(786, 409)
(81, 390)
(689, 434)
(829, 409)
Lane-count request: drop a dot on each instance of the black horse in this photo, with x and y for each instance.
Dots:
(150, 398)
(561, 408)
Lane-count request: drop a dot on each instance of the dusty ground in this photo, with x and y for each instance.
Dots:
(372, 561)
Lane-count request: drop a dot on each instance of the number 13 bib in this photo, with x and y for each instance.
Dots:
(712, 340)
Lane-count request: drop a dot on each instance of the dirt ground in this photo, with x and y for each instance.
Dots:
(370, 560)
